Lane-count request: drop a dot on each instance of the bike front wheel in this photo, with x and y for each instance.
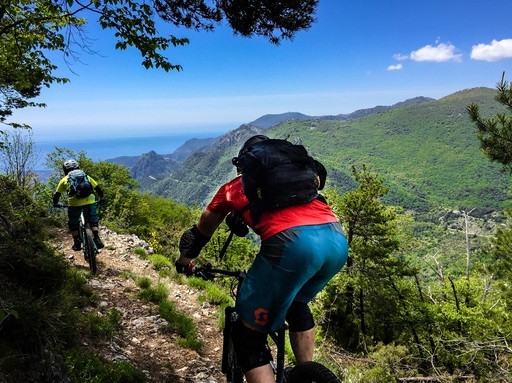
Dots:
(90, 250)
(311, 372)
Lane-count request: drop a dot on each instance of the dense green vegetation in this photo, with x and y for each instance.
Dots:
(426, 154)
(495, 133)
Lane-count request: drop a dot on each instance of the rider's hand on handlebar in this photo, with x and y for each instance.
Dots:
(188, 270)
(204, 272)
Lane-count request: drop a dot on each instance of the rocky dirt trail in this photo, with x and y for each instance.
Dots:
(142, 338)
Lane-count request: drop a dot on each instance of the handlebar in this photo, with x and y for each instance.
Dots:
(208, 273)
(62, 204)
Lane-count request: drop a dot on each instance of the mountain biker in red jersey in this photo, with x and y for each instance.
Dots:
(302, 248)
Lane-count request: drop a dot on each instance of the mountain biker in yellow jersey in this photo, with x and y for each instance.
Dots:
(302, 248)
(76, 205)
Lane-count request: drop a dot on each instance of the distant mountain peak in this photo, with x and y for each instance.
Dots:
(152, 165)
(269, 120)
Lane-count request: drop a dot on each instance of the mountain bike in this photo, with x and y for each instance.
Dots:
(306, 372)
(88, 246)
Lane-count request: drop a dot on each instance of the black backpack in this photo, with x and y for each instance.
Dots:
(277, 174)
(79, 185)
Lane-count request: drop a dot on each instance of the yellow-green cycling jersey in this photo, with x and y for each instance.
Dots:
(74, 201)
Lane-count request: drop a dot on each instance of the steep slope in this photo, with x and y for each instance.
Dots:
(428, 154)
(190, 147)
(151, 167)
(195, 145)
(203, 172)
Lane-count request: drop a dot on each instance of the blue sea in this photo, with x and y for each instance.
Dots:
(99, 149)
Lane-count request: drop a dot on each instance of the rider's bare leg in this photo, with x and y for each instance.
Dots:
(263, 374)
(303, 345)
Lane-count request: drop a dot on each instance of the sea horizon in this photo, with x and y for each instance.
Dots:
(103, 149)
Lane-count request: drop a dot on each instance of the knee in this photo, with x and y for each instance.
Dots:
(299, 317)
(250, 346)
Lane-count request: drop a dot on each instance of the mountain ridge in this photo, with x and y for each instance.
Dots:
(266, 121)
(427, 154)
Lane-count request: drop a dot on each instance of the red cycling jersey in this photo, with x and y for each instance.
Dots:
(230, 197)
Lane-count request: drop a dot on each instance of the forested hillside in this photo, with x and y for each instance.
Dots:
(427, 153)
(203, 172)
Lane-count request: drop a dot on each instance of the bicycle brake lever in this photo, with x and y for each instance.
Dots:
(203, 273)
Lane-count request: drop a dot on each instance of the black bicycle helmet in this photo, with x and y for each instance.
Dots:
(69, 165)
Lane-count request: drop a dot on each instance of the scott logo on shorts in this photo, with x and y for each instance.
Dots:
(261, 317)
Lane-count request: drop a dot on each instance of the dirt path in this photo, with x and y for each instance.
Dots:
(142, 338)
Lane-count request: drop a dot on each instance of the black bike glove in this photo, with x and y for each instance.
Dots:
(188, 270)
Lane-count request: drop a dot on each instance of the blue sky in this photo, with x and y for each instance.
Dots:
(358, 54)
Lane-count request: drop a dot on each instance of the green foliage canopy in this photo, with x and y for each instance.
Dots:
(364, 291)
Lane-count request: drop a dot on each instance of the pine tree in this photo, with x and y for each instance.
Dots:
(495, 134)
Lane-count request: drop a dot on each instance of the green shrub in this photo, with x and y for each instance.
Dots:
(160, 262)
(216, 296)
(154, 295)
(90, 368)
(143, 282)
(101, 326)
(180, 324)
(140, 252)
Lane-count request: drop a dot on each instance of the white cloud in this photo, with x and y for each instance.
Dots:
(496, 50)
(395, 67)
(400, 57)
(440, 53)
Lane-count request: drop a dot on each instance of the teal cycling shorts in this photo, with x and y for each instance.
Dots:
(294, 264)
